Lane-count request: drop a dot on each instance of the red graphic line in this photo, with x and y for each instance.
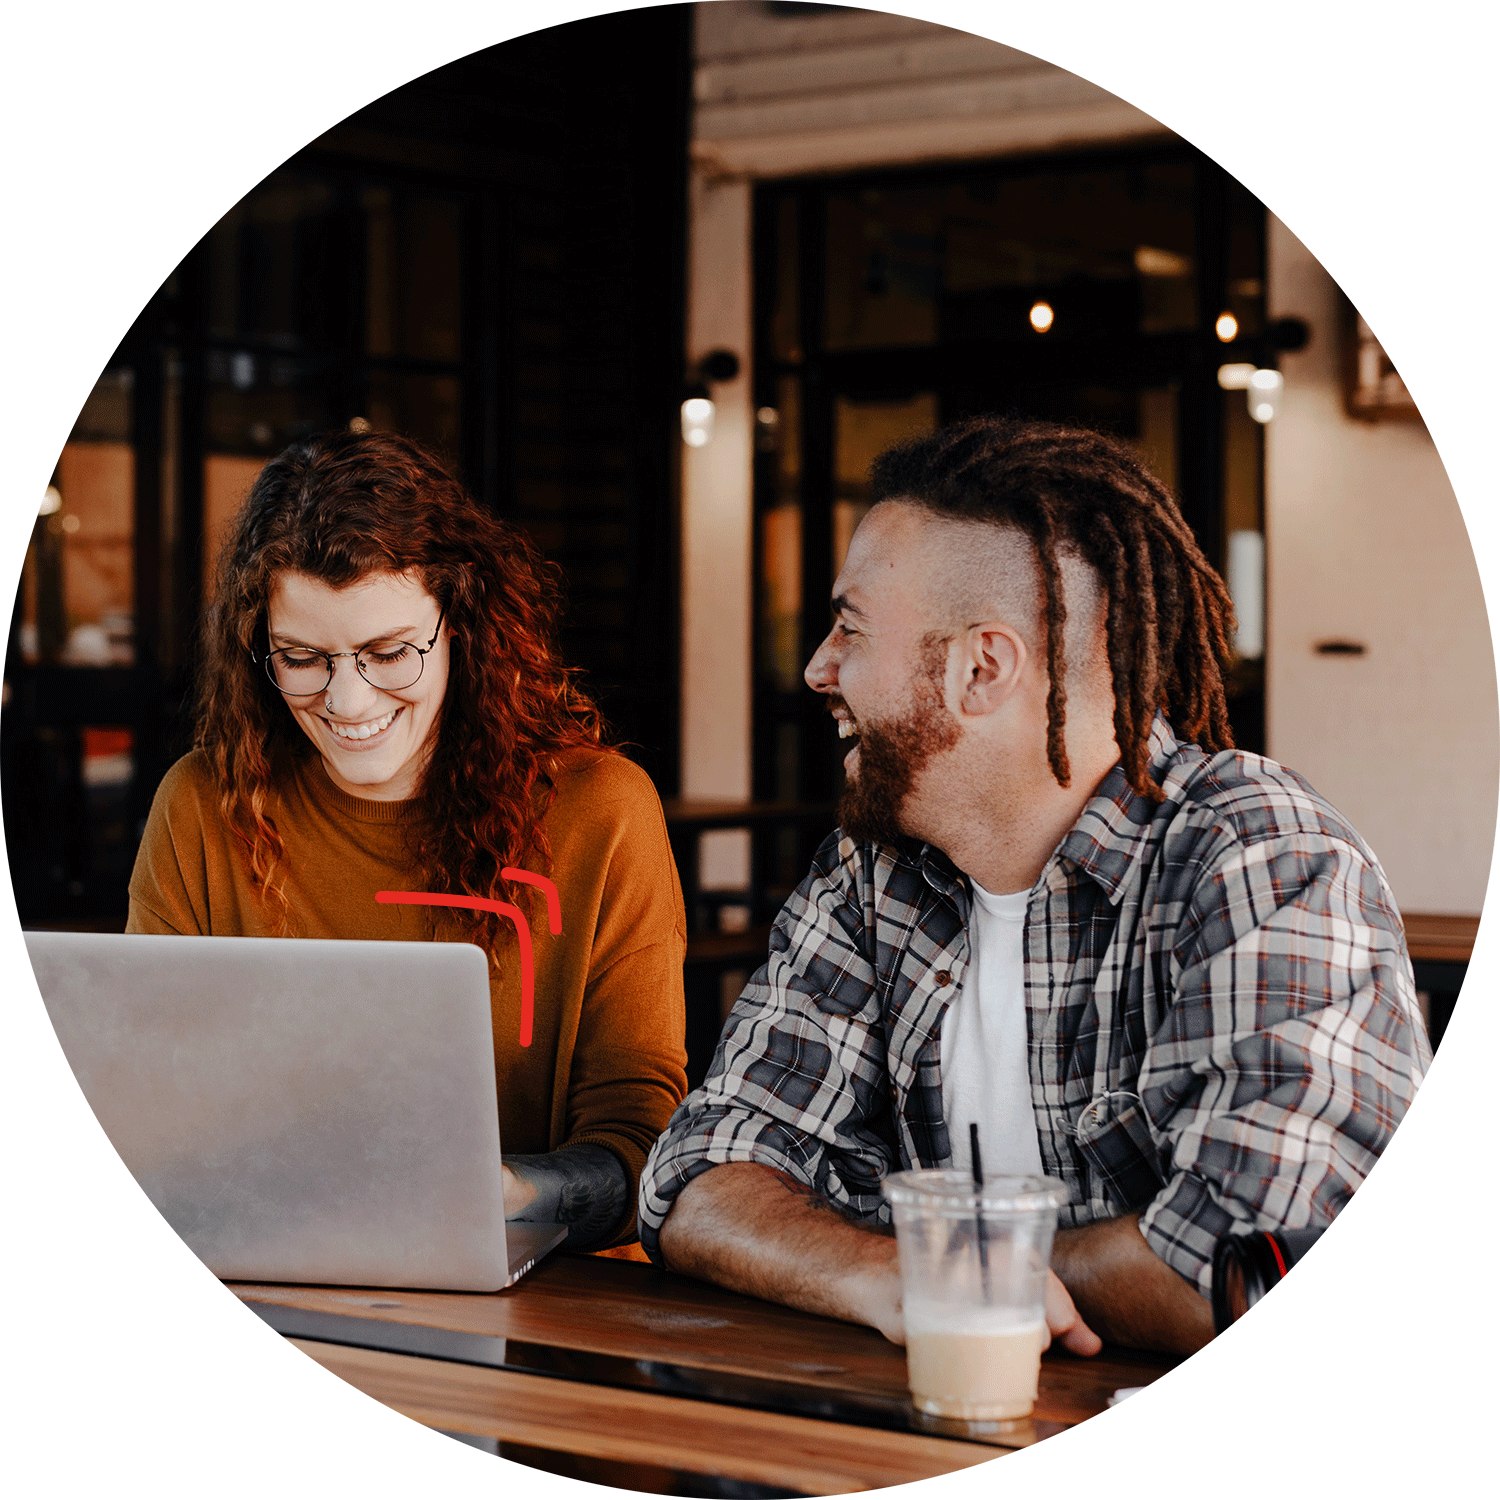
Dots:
(545, 886)
(480, 903)
(1276, 1251)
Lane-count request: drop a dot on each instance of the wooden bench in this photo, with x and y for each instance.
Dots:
(1440, 947)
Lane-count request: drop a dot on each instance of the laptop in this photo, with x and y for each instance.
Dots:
(298, 1109)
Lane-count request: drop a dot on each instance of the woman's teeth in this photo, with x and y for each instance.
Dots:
(362, 731)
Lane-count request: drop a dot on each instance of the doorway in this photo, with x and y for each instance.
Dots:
(1106, 289)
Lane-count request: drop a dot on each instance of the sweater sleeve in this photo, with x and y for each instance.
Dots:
(629, 1066)
(169, 884)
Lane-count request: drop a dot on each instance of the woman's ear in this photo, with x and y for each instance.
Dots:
(994, 657)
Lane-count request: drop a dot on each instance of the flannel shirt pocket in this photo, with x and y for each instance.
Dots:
(1114, 1138)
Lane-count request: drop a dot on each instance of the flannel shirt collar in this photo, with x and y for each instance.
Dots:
(1110, 837)
(1106, 843)
(939, 871)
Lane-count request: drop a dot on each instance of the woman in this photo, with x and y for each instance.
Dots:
(381, 708)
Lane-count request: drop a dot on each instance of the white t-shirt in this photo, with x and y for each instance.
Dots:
(984, 1045)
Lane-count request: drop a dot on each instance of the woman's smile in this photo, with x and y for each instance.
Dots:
(366, 735)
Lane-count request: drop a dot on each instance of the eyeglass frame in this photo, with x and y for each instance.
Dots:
(332, 656)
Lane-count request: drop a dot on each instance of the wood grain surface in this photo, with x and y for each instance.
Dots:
(637, 1312)
(815, 1457)
(1436, 938)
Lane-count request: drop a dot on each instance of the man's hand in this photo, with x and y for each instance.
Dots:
(1127, 1291)
(756, 1230)
(1064, 1322)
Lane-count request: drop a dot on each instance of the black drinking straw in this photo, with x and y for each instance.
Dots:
(976, 1166)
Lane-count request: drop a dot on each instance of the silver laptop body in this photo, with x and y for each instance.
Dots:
(297, 1109)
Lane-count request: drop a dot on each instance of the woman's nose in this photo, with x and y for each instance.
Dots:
(348, 692)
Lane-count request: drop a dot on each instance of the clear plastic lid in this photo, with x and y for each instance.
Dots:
(943, 1189)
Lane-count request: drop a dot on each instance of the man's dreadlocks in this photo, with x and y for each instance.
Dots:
(1070, 490)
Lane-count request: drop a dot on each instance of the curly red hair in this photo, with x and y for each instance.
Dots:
(338, 508)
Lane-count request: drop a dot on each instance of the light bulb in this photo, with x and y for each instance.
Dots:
(1041, 316)
(697, 421)
(1263, 394)
(1227, 327)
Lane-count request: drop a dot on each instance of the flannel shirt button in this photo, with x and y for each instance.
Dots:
(943, 978)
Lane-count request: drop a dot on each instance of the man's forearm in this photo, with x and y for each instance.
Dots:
(1126, 1292)
(756, 1230)
(759, 1231)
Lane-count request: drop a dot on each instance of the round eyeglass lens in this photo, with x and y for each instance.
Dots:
(299, 672)
(388, 666)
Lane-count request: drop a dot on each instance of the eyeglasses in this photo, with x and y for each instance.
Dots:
(300, 672)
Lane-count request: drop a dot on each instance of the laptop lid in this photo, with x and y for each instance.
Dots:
(298, 1109)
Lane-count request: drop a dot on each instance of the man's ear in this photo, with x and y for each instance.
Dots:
(993, 659)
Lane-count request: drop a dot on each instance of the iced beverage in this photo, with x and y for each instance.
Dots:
(982, 1368)
(973, 1275)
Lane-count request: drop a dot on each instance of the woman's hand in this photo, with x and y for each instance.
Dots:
(584, 1186)
(519, 1193)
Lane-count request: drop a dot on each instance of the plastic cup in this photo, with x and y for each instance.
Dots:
(973, 1284)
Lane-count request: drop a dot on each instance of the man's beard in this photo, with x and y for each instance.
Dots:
(892, 755)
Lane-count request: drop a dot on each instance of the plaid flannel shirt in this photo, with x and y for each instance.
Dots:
(1223, 1028)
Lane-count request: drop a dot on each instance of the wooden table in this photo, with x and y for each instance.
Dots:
(621, 1374)
(1440, 946)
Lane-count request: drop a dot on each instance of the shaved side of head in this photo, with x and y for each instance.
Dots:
(1169, 620)
(978, 573)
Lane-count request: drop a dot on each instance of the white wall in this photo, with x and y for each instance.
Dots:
(1365, 542)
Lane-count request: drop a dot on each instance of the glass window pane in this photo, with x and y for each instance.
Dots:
(413, 275)
(378, 207)
(883, 267)
(258, 403)
(97, 521)
(1109, 250)
(422, 407)
(1246, 260)
(781, 596)
(862, 431)
(77, 595)
(779, 436)
(786, 337)
(1157, 433)
(227, 478)
(264, 262)
(431, 285)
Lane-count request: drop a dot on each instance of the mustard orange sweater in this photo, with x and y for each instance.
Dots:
(606, 1061)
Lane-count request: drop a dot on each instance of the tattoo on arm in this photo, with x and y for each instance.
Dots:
(822, 1202)
(584, 1186)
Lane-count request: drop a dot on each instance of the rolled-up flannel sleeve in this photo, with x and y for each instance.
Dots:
(798, 1082)
(1290, 1050)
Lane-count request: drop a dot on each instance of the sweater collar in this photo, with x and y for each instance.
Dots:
(322, 790)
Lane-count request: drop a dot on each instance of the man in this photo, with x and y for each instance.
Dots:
(1060, 907)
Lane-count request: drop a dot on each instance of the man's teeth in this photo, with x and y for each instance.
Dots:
(362, 731)
(847, 729)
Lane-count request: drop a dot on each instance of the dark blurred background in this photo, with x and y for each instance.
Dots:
(489, 260)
